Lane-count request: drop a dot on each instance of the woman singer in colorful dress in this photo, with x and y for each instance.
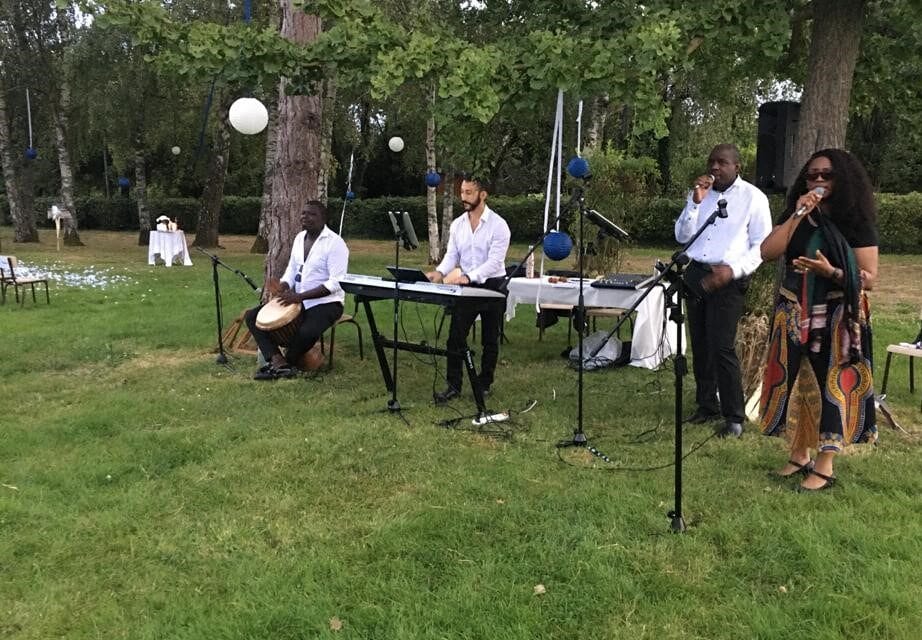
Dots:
(817, 388)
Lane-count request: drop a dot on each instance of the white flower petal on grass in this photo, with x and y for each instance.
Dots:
(67, 276)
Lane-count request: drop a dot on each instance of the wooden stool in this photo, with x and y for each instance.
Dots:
(343, 319)
(607, 312)
(552, 306)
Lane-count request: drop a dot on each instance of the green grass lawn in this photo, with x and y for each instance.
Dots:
(147, 492)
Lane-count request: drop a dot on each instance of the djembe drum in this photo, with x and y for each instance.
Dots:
(282, 322)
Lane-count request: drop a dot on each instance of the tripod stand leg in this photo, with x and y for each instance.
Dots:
(222, 357)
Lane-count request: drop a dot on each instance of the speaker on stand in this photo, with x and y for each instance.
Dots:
(775, 144)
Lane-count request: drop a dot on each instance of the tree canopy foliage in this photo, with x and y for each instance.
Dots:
(661, 80)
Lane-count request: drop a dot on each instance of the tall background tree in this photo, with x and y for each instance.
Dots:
(467, 85)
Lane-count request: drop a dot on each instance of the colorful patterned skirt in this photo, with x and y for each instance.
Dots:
(811, 393)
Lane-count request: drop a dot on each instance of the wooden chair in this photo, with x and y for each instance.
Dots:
(912, 352)
(8, 278)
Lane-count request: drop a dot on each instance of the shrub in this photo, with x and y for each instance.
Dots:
(649, 220)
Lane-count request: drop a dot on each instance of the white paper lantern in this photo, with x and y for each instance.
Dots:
(175, 151)
(248, 115)
(395, 144)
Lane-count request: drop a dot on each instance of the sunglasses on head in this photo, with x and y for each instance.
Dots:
(825, 174)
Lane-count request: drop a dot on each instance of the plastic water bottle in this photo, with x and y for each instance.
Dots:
(530, 262)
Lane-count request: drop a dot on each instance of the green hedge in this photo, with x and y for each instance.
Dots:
(649, 223)
(899, 222)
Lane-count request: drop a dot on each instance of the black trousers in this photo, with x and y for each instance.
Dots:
(314, 322)
(491, 324)
(712, 322)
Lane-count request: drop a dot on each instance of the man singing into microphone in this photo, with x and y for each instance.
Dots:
(476, 254)
(722, 259)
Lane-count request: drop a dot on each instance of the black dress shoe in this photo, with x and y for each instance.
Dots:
(731, 430)
(450, 393)
(700, 417)
(265, 372)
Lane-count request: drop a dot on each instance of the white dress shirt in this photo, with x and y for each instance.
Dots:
(326, 263)
(480, 252)
(734, 240)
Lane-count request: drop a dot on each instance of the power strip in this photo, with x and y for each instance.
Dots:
(496, 417)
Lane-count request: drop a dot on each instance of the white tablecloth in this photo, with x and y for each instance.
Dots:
(648, 345)
(169, 245)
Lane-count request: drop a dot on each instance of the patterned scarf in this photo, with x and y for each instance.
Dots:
(814, 291)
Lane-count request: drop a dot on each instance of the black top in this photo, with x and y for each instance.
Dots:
(864, 235)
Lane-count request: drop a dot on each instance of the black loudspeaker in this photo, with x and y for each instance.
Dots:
(775, 144)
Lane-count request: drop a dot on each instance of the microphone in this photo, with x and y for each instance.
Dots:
(722, 208)
(695, 186)
(606, 225)
(820, 191)
(249, 282)
(409, 232)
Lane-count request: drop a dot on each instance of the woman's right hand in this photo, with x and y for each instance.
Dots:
(807, 202)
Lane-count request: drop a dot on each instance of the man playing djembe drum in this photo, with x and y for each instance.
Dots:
(319, 258)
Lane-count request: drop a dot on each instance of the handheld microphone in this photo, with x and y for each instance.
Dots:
(820, 191)
(722, 208)
(409, 232)
(606, 225)
(696, 185)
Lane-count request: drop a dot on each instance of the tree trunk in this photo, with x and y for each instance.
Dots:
(24, 229)
(297, 163)
(432, 210)
(140, 194)
(261, 243)
(834, 45)
(27, 200)
(206, 232)
(326, 141)
(61, 127)
(364, 148)
(596, 133)
(448, 203)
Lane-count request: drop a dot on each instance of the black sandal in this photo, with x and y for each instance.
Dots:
(830, 481)
(802, 469)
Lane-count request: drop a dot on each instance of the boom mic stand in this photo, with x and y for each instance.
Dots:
(673, 273)
(579, 438)
(215, 261)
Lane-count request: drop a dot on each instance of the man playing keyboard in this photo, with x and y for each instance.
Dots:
(476, 255)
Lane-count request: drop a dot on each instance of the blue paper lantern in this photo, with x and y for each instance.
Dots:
(433, 179)
(124, 182)
(557, 245)
(578, 167)
(350, 196)
(31, 153)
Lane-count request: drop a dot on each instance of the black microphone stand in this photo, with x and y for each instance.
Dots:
(673, 272)
(215, 261)
(400, 237)
(579, 438)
